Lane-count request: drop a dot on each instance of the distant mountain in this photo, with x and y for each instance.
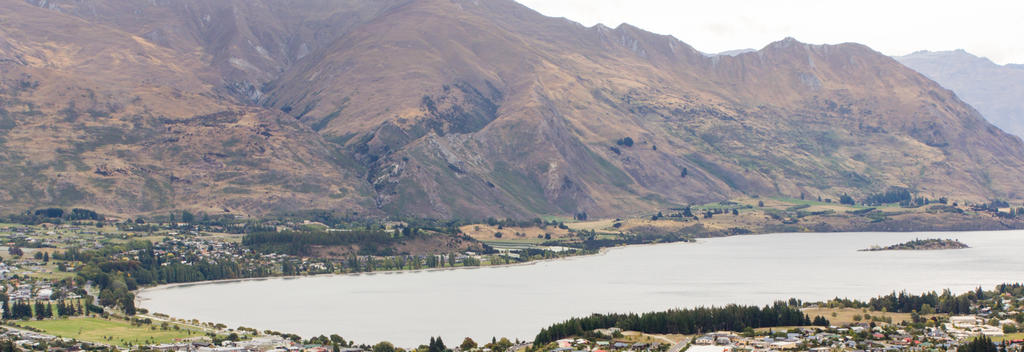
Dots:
(736, 52)
(997, 91)
(453, 108)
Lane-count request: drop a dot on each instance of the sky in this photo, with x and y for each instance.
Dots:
(988, 28)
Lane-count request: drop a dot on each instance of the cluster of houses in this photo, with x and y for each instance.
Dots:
(258, 343)
(859, 338)
(54, 236)
(584, 345)
(270, 343)
(29, 289)
(965, 326)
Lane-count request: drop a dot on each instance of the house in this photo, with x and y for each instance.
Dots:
(221, 349)
(964, 321)
(172, 347)
(783, 345)
(704, 340)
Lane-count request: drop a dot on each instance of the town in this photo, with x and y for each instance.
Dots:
(69, 286)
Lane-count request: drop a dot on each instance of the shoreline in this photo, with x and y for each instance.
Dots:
(602, 251)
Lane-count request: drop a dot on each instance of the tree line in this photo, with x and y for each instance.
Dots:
(23, 309)
(683, 321)
(301, 242)
(925, 303)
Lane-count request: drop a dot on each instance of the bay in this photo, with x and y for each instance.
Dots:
(407, 308)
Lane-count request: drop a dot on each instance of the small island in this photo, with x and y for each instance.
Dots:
(921, 245)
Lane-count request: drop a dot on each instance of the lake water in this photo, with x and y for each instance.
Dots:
(517, 301)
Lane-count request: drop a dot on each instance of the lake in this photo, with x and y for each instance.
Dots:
(517, 301)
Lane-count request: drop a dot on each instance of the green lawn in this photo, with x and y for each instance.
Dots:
(1013, 336)
(113, 332)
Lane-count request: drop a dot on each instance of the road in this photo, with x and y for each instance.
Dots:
(679, 346)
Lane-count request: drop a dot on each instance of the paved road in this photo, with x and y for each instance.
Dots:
(679, 346)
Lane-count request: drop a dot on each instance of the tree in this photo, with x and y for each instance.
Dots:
(385, 346)
(846, 199)
(927, 309)
(6, 306)
(50, 212)
(502, 345)
(467, 344)
(7, 346)
(129, 305)
(337, 339)
(684, 172)
(436, 345)
(40, 310)
(980, 344)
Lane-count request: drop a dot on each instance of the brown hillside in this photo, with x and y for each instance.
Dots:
(458, 108)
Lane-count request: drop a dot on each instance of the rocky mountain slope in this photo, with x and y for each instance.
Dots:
(997, 91)
(454, 108)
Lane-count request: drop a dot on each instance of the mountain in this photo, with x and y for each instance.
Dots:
(997, 91)
(454, 108)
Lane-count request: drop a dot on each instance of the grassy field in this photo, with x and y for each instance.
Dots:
(1011, 337)
(636, 336)
(113, 332)
(845, 315)
(484, 232)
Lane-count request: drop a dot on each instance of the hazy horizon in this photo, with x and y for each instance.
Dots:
(986, 28)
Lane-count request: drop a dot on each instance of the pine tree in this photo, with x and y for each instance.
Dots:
(6, 306)
(40, 310)
(980, 344)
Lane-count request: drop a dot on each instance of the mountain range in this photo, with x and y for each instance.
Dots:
(997, 91)
(453, 109)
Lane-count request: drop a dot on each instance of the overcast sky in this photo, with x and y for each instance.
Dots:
(989, 28)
